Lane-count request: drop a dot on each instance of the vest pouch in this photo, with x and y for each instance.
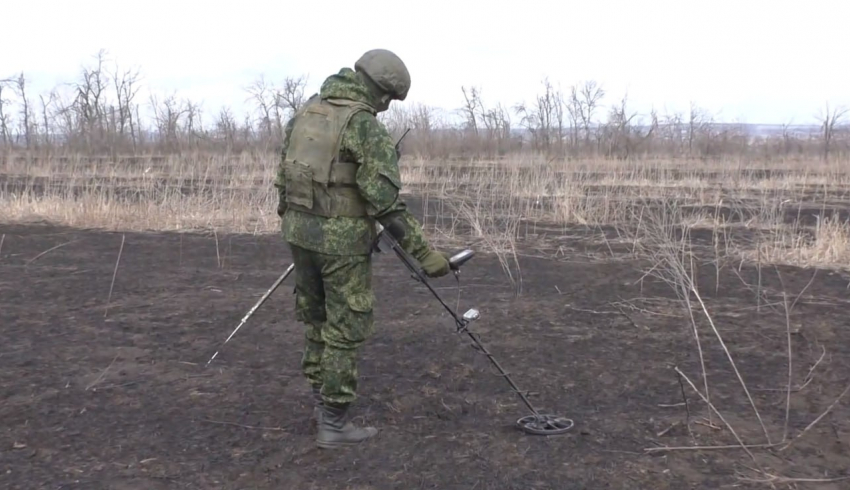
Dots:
(299, 183)
(348, 202)
(343, 190)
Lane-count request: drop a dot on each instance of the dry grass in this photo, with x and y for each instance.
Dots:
(766, 208)
(496, 202)
(665, 239)
(198, 191)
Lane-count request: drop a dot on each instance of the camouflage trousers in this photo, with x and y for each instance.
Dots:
(334, 300)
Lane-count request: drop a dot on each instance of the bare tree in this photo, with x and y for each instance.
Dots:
(471, 108)
(545, 119)
(86, 112)
(787, 138)
(226, 127)
(126, 88)
(622, 136)
(582, 104)
(699, 122)
(98, 112)
(290, 97)
(276, 104)
(168, 115)
(21, 92)
(498, 123)
(829, 120)
(4, 115)
(265, 101)
(192, 121)
(46, 116)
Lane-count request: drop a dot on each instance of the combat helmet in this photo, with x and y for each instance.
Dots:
(386, 70)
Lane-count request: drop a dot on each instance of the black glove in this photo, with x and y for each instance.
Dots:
(281, 206)
(395, 226)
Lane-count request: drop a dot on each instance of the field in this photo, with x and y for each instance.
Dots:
(689, 316)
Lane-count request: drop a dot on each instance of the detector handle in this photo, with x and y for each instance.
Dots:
(460, 258)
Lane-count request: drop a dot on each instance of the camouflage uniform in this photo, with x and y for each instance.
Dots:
(332, 255)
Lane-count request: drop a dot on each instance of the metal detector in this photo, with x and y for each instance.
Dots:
(536, 423)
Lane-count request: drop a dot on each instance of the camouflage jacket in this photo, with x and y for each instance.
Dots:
(366, 142)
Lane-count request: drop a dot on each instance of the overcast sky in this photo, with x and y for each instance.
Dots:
(747, 60)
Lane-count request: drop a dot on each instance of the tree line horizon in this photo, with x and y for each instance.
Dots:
(100, 112)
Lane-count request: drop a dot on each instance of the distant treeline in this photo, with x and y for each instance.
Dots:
(101, 113)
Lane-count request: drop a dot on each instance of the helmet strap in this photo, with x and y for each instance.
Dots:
(381, 97)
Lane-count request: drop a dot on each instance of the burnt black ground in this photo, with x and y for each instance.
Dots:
(125, 402)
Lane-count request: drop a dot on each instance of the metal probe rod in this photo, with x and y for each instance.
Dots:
(252, 310)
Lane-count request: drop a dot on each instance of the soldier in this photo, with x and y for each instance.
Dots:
(338, 174)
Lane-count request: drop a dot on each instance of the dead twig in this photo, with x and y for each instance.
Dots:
(707, 448)
(807, 380)
(732, 362)
(48, 251)
(631, 306)
(586, 310)
(790, 370)
(815, 421)
(810, 374)
(114, 274)
(668, 429)
(622, 312)
(708, 424)
(217, 254)
(249, 427)
(102, 374)
(717, 412)
(687, 408)
(114, 386)
(804, 289)
(687, 297)
(771, 479)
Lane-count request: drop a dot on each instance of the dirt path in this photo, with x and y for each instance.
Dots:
(125, 402)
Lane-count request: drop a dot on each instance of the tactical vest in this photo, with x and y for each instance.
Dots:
(316, 181)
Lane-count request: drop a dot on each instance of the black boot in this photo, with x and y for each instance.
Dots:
(318, 403)
(336, 431)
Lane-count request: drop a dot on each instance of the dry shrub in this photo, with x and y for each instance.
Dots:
(665, 241)
(497, 202)
(826, 245)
